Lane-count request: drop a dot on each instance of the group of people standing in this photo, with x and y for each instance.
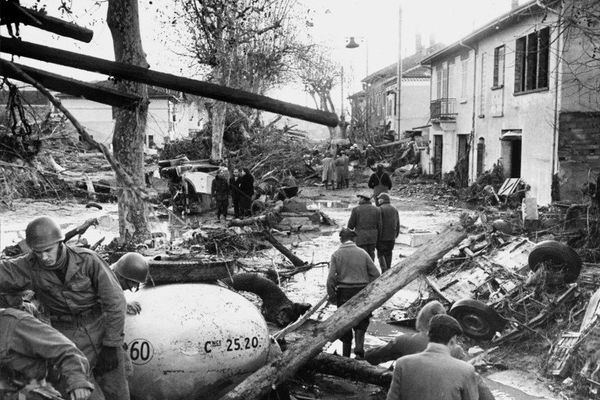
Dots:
(336, 171)
(241, 189)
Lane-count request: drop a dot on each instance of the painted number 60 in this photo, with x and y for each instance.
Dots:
(140, 351)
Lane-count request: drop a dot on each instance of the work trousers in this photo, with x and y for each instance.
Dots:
(236, 207)
(384, 254)
(87, 335)
(370, 249)
(343, 295)
(222, 205)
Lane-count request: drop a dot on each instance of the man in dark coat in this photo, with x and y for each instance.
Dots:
(350, 270)
(247, 189)
(380, 181)
(434, 374)
(390, 229)
(236, 192)
(220, 192)
(366, 220)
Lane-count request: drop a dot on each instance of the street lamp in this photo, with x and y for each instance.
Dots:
(352, 44)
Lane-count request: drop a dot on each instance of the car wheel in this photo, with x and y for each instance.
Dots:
(558, 257)
(478, 320)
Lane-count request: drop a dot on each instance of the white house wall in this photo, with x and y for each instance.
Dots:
(500, 109)
(95, 117)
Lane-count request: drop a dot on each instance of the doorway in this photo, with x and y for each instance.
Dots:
(511, 154)
(438, 147)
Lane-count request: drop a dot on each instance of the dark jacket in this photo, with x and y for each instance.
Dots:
(220, 188)
(28, 346)
(433, 375)
(390, 223)
(247, 185)
(366, 220)
(234, 187)
(380, 179)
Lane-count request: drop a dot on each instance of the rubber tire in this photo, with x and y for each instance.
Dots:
(478, 320)
(557, 252)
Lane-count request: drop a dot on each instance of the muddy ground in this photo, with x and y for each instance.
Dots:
(420, 220)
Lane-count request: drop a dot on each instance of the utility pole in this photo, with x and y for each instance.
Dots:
(399, 73)
(342, 86)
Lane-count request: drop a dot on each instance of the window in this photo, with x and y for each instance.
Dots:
(531, 61)
(442, 81)
(498, 67)
(151, 143)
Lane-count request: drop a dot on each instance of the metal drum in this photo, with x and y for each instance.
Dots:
(192, 341)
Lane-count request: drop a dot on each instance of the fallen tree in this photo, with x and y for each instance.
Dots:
(375, 294)
(349, 368)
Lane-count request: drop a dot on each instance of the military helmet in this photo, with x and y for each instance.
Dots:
(132, 266)
(43, 232)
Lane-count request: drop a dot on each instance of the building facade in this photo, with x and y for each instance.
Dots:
(498, 96)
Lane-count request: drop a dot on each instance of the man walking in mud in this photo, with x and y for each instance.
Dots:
(390, 229)
(350, 270)
(366, 220)
(80, 295)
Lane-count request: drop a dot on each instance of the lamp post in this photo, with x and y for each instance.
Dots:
(352, 44)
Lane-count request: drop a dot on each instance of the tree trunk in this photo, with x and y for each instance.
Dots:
(218, 128)
(130, 125)
(349, 368)
(348, 315)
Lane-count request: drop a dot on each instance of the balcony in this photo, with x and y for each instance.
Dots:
(443, 109)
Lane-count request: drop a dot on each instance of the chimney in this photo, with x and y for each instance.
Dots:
(514, 4)
(418, 44)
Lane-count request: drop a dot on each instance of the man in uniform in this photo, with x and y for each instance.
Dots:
(81, 296)
(390, 229)
(366, 220)
(27, 347)
(350, 270)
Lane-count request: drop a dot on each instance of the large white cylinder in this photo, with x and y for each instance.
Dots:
(193, 341)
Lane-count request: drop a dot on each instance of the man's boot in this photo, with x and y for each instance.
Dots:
(359, 344)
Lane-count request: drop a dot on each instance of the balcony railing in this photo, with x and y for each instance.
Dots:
(443, 109)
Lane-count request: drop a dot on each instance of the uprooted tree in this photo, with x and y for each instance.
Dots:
(243, 44)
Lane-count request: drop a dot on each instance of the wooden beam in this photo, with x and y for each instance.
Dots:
(349, 368)
(13, 13)
(72, 86)
(361, 305)
(169, 81)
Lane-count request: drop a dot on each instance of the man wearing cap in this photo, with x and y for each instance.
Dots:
(81, 296)
(328, 171)
(370, 155)
(434, 374)
(220, 193)
(28, 347)
(390, 229)
(350, 270)
(366, 220)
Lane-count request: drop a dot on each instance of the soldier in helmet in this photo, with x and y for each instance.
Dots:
(131, 271)
(28, 347)
(80, 295)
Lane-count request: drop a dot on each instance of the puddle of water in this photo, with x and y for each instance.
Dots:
(328, 204)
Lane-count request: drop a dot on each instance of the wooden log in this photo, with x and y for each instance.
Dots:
(12, 12)
(80, 230)
(349, 368)
(284, 250)
(371, 297)
(72, 86)
(169, 81)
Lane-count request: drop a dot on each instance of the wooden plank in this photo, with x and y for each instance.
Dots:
(169, 81)
(11, 12)
(361, 305)
(72, 86)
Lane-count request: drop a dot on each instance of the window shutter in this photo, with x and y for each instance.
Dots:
(531, 61)
(543, 52)
(520, 64)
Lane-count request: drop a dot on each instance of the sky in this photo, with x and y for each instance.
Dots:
(374, 24)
